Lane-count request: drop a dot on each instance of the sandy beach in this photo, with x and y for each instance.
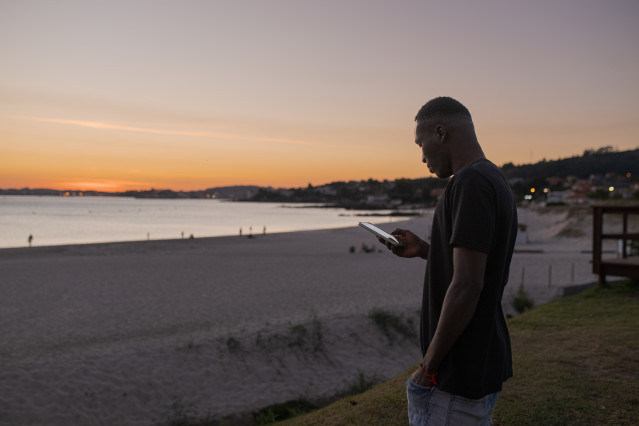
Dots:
(141, 333)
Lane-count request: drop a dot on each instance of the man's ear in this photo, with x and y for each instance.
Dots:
(440, 129)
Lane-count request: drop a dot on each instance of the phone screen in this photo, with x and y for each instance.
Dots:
(380, 233)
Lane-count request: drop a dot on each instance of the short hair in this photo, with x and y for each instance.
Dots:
(442, 106)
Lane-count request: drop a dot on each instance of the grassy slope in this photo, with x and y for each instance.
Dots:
(576, 362)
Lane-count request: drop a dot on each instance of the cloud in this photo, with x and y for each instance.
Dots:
(206, 134)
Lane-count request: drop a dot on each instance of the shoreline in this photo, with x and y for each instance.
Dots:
(89, 220)
(357, 218)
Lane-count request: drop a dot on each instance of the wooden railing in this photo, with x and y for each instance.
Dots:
(625, 266)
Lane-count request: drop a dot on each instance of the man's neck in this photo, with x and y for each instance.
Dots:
(469, 158)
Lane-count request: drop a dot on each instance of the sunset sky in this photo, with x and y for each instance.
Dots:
(113, 95)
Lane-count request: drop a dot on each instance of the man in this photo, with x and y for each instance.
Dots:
(464, 338)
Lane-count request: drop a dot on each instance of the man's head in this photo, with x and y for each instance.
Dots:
(442, 107)
(444, 131)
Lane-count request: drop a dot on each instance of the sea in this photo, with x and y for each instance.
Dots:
(58, 220)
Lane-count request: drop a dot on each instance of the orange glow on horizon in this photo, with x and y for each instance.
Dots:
(94, 156)
(99, 186)
(78, 155)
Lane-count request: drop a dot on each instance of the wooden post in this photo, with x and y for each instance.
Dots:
(597, 226)
(624, 241)
(601, 281)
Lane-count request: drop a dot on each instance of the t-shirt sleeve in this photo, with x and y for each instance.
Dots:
(472, 203)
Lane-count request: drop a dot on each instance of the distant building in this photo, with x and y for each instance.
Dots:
(554, 181)
(377, 199)
(558, 197)
(326, 190)
(577, 198)
(582, 186)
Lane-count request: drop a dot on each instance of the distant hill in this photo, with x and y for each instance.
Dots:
(592, 162)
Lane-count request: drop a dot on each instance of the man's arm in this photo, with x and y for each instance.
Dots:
(458, 309)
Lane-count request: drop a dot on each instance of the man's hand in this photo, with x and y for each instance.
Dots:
(411, 244)
(419, 378)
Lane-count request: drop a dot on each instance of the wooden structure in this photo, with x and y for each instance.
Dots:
(624, 266)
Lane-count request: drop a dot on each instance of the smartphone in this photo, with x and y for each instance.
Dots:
(380, 233)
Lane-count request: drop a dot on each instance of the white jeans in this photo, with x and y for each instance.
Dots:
(431, 406)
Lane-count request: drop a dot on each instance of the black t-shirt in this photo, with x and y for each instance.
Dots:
(477, 211)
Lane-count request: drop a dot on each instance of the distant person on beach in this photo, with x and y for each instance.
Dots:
(30, 239)
(464, 339)
(365, 249)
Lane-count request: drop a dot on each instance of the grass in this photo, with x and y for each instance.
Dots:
(287, 410)
(273, 413)
(521, 301)
(576, 362)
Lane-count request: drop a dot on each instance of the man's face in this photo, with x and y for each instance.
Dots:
(434, 152)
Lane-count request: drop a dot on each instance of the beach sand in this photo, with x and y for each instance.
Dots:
(142, 333)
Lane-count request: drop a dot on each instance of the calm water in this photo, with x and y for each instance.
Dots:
(70, 220)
